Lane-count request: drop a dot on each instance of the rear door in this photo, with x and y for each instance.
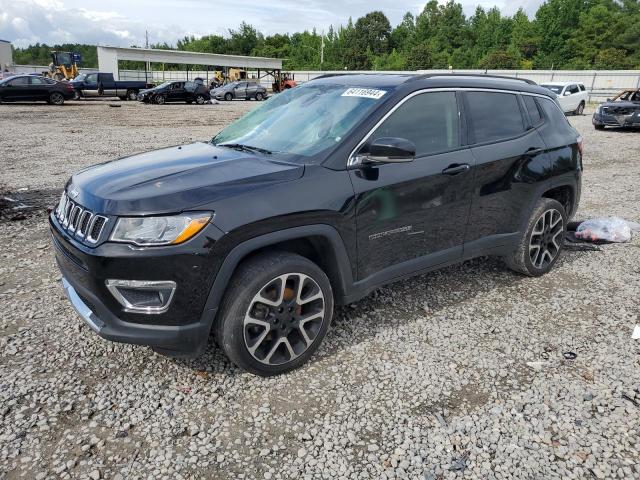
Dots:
(252, 89)
(415, 211)
(510, 159)
(39, 88)
(573, 98)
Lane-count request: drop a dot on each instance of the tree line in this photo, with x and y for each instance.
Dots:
(563, 34)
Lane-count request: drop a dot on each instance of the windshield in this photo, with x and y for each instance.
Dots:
(557, 89)
(302, 121)
(162, 85)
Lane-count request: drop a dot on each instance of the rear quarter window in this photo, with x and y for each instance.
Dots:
(532, 108)
(493, 116)
(556, 118)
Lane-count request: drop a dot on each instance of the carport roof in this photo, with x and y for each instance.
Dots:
(195, 58)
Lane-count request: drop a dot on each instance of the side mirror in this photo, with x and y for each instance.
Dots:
(390, 150)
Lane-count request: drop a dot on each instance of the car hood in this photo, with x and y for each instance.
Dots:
(175, 179)
(621, 104)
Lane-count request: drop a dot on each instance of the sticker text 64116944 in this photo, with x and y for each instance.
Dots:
(364, 92)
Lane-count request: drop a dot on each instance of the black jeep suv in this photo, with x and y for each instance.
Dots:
(315, 198)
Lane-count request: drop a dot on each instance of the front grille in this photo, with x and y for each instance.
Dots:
(79, 221)
(618, 110)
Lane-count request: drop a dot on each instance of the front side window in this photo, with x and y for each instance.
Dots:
(19, 82)
(429, 120)
(494, 116)
(92, 78)
(573, 89)
(322, 114)
(38, 81)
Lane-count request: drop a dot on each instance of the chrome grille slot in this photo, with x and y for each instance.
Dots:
(75, 219)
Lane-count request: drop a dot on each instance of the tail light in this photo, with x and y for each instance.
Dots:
(69, 86)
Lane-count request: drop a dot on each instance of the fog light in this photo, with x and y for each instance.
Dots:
(143, 296)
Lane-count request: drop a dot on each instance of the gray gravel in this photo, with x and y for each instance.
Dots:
(459, 373)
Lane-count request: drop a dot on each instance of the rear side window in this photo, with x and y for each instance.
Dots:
(554, 114)
(532, 108)
(493, 116)
(581, 87)
(429, 120)
(16, 82)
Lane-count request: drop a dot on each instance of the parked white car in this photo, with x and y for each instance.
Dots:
(572, 96)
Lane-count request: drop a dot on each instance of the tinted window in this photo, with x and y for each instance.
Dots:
(16, 82)
(494, 116)
(91, 78)
(38, 81)
(573, 88)
(581, 87)
(429, 120)
(532, 108)
(554, 114)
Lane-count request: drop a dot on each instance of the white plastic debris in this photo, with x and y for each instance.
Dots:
(612, 229)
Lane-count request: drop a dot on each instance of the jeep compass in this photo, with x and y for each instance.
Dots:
(313, 199)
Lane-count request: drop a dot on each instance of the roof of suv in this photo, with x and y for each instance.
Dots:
(562, 84)
(441, 80)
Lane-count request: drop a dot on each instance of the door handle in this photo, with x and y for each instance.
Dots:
(534, 151)
(456, 169)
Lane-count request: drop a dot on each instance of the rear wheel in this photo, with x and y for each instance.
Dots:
(132, 95)
(275, 313)
(228, 97)
(259, 96)
(200, 99)
(56, 98)
(540, 245)
(160, 99)
(580, 109)
(76, 95)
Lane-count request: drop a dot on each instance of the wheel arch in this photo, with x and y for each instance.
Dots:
(565, 194)
(322, 244)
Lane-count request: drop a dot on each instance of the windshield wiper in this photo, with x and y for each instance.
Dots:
(245, 148)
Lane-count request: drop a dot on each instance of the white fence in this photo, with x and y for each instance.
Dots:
(599, 83)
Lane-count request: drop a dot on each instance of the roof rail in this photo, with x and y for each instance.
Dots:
(478, 75)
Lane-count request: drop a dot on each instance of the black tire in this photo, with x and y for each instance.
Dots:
(77, 95)
(123, 98)
(259, 96)
(189, 102)
(599, 127)
(228, 97)
(200, 99)
(580, 109)
(159, 99)
(132, 95)
(56, 98)
(238, 328)
(541, 230)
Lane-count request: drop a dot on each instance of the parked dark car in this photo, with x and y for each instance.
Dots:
(240, 90)
(188, 92)
(103, 85)
(257, 234)
(621, 111)
(26, 88)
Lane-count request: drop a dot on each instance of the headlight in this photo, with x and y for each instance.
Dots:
(168, 230)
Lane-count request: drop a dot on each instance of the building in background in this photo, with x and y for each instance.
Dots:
(6, 55)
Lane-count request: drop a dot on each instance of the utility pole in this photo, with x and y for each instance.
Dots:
(146, 45)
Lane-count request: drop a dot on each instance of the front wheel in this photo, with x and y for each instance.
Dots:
(56, 98)
(275, 313)
(580, 109)
(160, 99)
(228, 97)
(540, 246)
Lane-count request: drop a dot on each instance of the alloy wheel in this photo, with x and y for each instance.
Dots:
(544, 244)
(200, 100)
(57, 98)
(284, 318)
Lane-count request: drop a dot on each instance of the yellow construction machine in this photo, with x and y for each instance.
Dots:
(64, 65)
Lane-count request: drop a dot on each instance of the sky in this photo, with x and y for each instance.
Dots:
(124, 22)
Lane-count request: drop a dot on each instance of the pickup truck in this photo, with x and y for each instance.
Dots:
(103, 85)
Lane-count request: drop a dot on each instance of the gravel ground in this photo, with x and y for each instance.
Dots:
(455, 374)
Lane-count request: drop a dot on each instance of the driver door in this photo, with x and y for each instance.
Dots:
(176, 93)
(416, 211)
(240, 91)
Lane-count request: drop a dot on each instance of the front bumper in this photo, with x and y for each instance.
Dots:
(181, 330)
(628, 120)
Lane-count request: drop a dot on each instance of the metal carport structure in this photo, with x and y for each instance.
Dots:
(108, 58)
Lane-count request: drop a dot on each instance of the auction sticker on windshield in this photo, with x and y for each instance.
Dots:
(364, 92)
